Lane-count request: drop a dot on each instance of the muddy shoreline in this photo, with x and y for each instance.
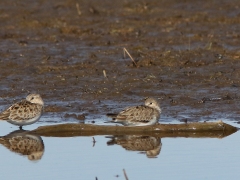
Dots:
(187, 56)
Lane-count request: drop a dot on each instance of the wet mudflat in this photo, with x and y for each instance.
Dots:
(186, 52)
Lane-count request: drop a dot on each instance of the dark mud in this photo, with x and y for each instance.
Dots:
(187, 55)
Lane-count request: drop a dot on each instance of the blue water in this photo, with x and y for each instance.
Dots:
(77, 158)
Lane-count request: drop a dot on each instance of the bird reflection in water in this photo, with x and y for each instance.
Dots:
(149, 145)
(24, 143)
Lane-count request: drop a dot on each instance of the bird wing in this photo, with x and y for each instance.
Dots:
(137, 114)
(21, 111)
(21, 144)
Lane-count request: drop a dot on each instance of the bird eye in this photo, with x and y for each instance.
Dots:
(32, 98)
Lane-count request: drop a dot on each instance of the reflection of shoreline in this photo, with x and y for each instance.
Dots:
(24, 143)
(150, 145)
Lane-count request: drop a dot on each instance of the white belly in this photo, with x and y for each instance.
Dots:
(24, 122)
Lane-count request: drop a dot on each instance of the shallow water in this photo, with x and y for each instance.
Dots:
(80, 158)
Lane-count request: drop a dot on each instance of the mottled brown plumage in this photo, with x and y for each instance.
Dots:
(21, 111)
(148, 144)
(23, 143)
(24, 112)
(142, 115)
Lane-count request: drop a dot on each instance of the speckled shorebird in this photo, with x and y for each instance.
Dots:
(23, 143)
(25, 112)
(151, 146)
(142, 115)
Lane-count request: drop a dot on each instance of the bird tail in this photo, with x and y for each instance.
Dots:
(112, 141)
(111, 115)
(112, 121)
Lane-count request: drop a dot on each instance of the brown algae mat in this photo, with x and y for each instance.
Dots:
(206, 129)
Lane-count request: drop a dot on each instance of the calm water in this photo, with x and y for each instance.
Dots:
(78, 158)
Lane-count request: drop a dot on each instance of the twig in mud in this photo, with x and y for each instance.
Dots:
(104, 74)
(126, 51)
(125, 174)
(48, 58)
(94, 141)
(78, 9)
(209, 43)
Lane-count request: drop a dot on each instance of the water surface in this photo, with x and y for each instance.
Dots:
(80, 158)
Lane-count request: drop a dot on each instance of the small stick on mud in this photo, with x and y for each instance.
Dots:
(125, 174)
(78, 9)
(209, 43)
(48, 58)
(126, 51)
(104, 74)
